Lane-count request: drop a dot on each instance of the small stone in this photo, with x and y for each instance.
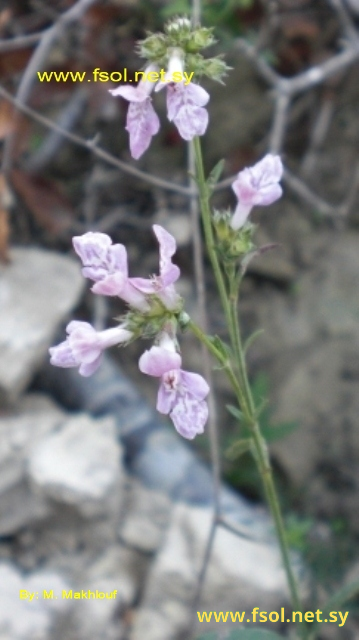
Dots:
(37, 291)
(35, 417)
(22, 619)
(146, 517)
(79, 464)
(240, 570)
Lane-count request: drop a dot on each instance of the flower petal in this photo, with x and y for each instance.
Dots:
(157, 361)
(142, 124)
(92, 247)
(165, 399)
(111, 285)
(169, 272)
(195, 384)
(62, 356)
(87, 369)
(191, 121)
(189, 416)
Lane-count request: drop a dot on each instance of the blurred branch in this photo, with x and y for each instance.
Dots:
(96, 150)
(20, 42)
(36, 64)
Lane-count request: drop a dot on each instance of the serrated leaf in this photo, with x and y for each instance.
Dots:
(238, 448)
(215, 174)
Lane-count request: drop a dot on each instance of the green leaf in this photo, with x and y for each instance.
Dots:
(215, 174)
(235, 412)
(221, 346)
(336, 601)
(238, 448)
(276, 432)
(175, 8)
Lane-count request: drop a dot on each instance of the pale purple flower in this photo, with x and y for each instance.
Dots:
(83, 346)
(185, 108)
(257, 185)
(162, 285)
(142, 121)
(175, 66)
(181, 393)
(106, 264)
(185, 102)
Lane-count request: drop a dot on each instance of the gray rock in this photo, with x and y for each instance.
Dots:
(22, 619)
(321, 394)
(146, 517)
(119, 570)
(37, 291)
(240, 571)
(79, 464)
(20, 430)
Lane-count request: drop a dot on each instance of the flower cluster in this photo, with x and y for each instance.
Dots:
(177, 49)
(154, 309)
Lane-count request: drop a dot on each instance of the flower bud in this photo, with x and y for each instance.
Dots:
(153, 48)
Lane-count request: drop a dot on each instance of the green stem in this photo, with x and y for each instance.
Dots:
(207, 227)
(240, 383)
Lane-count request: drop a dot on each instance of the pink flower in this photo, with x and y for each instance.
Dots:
(181, 393)
(185, 102)
(106, 264)
(142, 120)
(185, 108)
(83, 346)
(257, 185)
(162, 285)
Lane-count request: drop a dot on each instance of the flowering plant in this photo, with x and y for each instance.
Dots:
(155, 310)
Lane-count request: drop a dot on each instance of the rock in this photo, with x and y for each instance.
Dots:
(146, 517)
(37, 290)
(118, 569)
(320, 393)
(35, 417)
(240, 571)
(21, 619)
(79, 464)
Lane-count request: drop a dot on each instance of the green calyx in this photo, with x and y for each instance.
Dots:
(150, 323)
(232, 245)
(179, 34)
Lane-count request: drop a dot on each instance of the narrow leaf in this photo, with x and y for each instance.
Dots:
(215, 174)
(238, 448)
(235, 412)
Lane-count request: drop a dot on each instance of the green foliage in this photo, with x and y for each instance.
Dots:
(270, 431)
(243, 475)
(297, 529)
